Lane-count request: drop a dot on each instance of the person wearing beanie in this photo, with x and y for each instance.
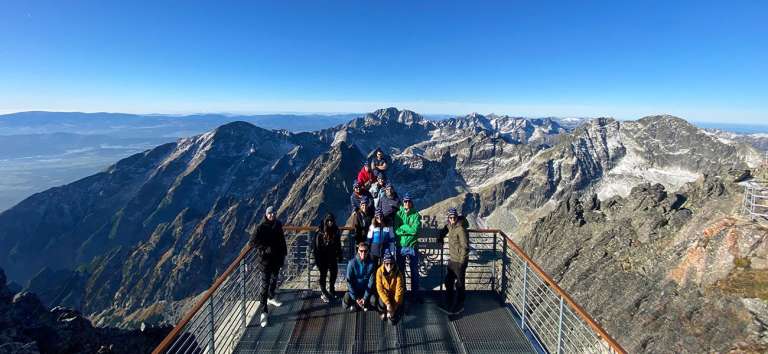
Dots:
(407, 227)
(379, 162)
(326, 247)
(361, 219)
(390, 286)
(381, 237)
(361, 281)
(458, 249)
(389, 203)
(358, 192)
(377, 189)
(269, 243)
(365, 177)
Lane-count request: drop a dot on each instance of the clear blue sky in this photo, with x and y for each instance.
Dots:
(704, 61)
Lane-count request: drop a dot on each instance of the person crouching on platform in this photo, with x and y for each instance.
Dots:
(360, 281)
(390, 285)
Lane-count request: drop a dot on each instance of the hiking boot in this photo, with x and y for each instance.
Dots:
(351, 308)
(274, 302)
(383, 316)
(263, 320)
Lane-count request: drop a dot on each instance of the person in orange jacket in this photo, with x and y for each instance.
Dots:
(390, 286)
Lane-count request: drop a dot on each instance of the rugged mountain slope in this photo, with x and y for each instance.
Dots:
(27, 326)
(658, 269)
(136, 242)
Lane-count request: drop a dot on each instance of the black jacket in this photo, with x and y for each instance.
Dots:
(269, 241)
(326, 247)
(361, 222)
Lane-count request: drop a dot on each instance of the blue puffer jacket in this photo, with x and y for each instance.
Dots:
(361, 281)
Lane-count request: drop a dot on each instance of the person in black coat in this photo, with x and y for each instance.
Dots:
(326, 247)
(270, 248)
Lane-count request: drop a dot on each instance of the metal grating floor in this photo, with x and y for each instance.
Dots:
(306, 325)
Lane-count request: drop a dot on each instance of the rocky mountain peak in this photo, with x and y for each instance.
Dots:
(392, 114)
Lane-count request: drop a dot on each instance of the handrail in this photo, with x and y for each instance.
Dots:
(168, 340)
(200, 303)
(217, 283)
(579, 310)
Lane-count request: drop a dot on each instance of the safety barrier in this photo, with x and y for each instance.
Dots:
(218, 320)
(755, 204)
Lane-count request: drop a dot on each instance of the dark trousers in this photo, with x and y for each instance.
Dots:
(381, 307)
(455, 285)
(326, 268)
(348, 301)
(268, 284)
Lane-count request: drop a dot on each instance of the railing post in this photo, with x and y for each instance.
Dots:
(442, 266)
(493, 269)
(213, 324)
(560, 328)
(309, 264)
(525, 290)
(504, 262)
(242, 292)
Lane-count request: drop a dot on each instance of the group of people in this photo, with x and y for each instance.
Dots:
(386, 235)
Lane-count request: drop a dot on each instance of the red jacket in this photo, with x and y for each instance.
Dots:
(365, 177)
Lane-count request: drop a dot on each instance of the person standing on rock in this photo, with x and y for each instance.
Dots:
(407, 227)
(358, 192)
(365, 177)
(458, 249)
(390, 286)
(326, 247)
(379, 162)
(269, 244)
(377, 189)
(362, 219)
(381, 237)
(389, 203)
(360, 281)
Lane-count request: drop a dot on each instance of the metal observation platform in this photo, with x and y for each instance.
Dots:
(512, 306)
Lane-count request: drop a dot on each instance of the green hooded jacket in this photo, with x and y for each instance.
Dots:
(407, 225)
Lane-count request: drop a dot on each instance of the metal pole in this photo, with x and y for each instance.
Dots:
(493, 269)
(242, 292)
(213, 325)
(442, 267)
(560, 328)
(525, 289)
(752, 207)
(309, 266)
(504, 270)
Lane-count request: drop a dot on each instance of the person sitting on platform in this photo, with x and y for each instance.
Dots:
(379, 162)
(389, 203)
(390, 285)
(358, 193)
(366, 177)
(377, 189)
(360, 281)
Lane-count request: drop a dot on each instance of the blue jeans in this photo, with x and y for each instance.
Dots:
(412, 253)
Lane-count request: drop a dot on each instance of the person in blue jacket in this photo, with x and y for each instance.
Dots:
(361, 281)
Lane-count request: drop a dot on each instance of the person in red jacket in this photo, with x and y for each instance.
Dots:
(366, 177)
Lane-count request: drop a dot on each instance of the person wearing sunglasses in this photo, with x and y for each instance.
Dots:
(360, 281)
(407, 227)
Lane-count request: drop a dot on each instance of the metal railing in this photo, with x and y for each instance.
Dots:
(755, 204)
(218, 320)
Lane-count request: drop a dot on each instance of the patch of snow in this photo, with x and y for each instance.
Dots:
(633, 169)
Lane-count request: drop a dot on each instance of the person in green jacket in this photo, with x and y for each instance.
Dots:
(407, 226)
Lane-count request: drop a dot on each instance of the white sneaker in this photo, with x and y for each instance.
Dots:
(263, 320)
(324, 298)
(274, 302)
